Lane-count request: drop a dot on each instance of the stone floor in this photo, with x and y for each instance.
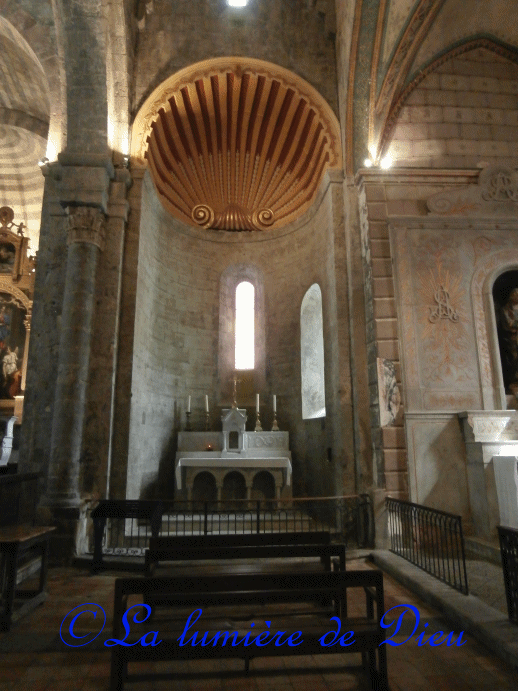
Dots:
(486, 581)
(33, 657)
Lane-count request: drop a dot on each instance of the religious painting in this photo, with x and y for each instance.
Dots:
(12, 344)
(7, 257)
(505, 296)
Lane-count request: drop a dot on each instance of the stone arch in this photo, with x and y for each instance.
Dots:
(204, 488)
(485, 274)
(118, 75)
(236, 144)
(263, 486)
(24, 124)
(234, 486)
(46, 45)
(436, 144)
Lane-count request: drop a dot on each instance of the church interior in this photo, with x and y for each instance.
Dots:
(259, 251)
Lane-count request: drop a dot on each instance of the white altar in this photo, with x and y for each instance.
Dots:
(233, 449)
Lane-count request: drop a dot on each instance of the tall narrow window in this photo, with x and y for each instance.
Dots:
(312, 355)
(244, 327)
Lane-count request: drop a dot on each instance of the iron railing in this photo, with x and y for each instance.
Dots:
(430, 539)
(126, 531)
(509, 552)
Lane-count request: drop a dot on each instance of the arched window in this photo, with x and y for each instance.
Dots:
(245, 326)
(312, 355)
(242, 334)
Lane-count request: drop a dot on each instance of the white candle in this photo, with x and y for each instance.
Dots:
(257, 402)
(274, 403)
(206, 403)
(188, 404)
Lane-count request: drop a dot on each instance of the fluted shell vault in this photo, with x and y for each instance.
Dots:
(235, 144)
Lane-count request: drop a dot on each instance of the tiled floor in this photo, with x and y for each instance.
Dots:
(32, 656)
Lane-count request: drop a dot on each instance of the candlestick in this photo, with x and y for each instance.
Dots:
(274, 403)
(207, 425)
(275, 426)
(188, 404)
(258, 427)
(206, 403)
(188, 421)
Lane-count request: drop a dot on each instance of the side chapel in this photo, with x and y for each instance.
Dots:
(355, 163)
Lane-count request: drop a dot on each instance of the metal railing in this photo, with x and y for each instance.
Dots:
(126, 532)
(509, 553)
(430, 539)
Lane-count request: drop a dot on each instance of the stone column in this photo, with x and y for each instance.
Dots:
(85, 239)
(100, 417)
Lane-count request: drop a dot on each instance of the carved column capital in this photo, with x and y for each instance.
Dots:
(86, 224)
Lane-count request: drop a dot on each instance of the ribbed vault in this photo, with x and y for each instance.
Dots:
(236, 144)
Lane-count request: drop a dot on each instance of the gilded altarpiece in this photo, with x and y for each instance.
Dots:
(17, 270)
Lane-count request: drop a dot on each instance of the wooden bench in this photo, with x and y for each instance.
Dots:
(17, 542)
(156, 555)
(277, 589)
(321, 537)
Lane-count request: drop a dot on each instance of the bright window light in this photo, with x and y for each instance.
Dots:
(237, 3)
(245, 319)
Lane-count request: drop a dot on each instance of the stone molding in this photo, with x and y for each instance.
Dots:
(495, 194)
(494, 426)
(86, 224)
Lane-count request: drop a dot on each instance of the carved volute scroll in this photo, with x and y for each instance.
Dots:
(86, 224)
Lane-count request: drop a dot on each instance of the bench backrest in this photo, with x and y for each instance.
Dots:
(324, 552)
(240, 540)
(247, 588)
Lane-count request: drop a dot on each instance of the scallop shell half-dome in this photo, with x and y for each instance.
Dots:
(235, 144)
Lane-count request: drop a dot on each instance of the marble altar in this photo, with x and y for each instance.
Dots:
(233, 449)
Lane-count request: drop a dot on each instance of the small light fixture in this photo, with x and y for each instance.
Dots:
(386, 162)
(237, 3)
(368, 163)
(43, 161)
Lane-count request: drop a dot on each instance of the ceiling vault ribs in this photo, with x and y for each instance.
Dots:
(240, 145)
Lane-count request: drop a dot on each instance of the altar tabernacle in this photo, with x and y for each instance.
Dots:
(233, 449)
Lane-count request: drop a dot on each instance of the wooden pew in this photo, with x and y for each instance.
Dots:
(321, 537)
(206, 591)
(156, 555)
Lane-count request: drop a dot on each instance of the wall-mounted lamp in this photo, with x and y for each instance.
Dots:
(43, 161)
(237, 3)
(386, 162)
